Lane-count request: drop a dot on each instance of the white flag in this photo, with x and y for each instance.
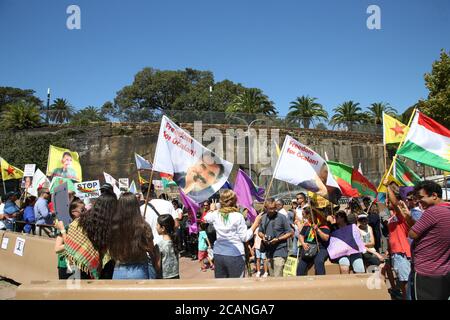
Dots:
(299, 165)
(109, 179)
(196, 170)
(39, 181)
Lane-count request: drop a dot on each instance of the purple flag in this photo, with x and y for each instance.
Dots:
(404, 192)
(345, 241)
(192, 207)
(245, 189)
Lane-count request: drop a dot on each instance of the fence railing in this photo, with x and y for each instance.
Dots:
(214, 117)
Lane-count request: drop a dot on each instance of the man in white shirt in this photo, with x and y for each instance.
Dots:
(162, 207)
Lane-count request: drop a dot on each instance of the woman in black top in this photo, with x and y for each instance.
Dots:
(312, 233)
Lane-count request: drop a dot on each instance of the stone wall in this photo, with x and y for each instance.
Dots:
(110, 147)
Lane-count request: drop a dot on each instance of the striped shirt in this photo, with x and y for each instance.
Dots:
(432, 247)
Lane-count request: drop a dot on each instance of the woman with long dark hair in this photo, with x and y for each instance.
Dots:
(88, 237)
(131, 243)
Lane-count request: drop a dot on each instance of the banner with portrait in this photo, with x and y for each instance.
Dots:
(302, 166)
(63, 166)
(196, 170)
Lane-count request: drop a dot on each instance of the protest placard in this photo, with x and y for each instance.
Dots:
(123, 184)
(87, 189)
(29, 170)
(19, 247)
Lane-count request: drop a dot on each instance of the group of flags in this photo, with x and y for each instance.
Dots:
(424, 141)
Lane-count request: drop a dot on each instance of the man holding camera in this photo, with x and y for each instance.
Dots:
(274, 231)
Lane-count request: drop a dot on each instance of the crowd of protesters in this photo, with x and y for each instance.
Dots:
(143, 237)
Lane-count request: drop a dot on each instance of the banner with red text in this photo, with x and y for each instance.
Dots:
(196, 170)
(301, 166)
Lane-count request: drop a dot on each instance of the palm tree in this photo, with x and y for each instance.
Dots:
(21, 115)
(88, 114)
(305, 110)
(61, 111)
(376, 110)
(347, 114)
(252, 101)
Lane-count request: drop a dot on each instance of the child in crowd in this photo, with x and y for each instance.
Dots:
(259, 255)
(28, 214)
(76, 209)
(167, 248)
(203, 246)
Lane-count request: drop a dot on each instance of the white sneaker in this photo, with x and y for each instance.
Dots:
(265, 275)
(258, 274)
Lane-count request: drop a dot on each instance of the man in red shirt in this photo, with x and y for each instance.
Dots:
(431, 234)
(399, 247)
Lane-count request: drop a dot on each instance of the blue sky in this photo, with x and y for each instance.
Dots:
(287, 48)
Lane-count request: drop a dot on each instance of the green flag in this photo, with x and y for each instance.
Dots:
(404, 174)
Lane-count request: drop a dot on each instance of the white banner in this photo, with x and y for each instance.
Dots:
(196, 169)
(301, 166)
(109, 179)
(88, 189)
(39, 181)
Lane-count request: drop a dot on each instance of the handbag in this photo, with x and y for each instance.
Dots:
(311, 252)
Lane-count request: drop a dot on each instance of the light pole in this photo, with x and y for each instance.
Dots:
(48, 105)
(249, 148)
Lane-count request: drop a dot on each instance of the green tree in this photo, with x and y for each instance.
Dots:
(20, 115)
(252, 101)
(437, 81)
(87, 115)
(155, 91)
(305, 110)
(9, 95)
(347, 114)
(60, 111)
(375, 114)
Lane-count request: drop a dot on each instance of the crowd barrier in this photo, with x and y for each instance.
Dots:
(31, 261)
(330, 287)
(24, 257)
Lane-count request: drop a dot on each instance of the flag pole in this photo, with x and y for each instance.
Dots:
(148, 192)
(445, 181)
(399, 146)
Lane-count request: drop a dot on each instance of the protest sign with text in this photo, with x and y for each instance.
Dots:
(301, 166)
(88, 189)
(196, 170)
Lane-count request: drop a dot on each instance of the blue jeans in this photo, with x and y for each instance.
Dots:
(9, 225)
(229, 266)
(304, 264)
(134, 271)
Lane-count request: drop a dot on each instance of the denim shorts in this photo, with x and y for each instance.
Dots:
(133, 271)
(357, 263)
(259, 254)
(401, 266)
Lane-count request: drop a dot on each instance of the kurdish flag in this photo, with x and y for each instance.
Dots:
(9, 172)
(351, 181)
(427, 142)
(167, 180)
(393, 130)
(404, 174)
